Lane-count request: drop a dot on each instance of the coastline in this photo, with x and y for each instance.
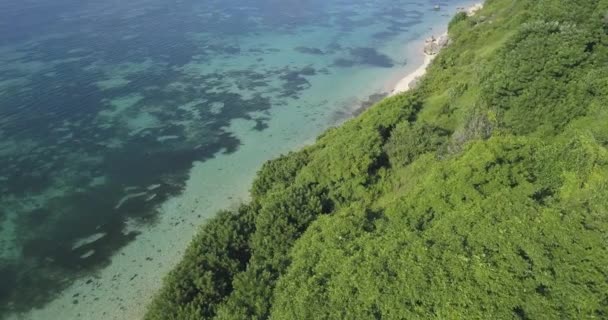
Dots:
(176, 212)
(409, 80)
(329, 228)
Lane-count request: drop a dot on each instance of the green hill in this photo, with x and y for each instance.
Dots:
(482, 194)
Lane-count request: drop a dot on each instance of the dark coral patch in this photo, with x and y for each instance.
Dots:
(307, 50)
(371, 56)
(343, 63)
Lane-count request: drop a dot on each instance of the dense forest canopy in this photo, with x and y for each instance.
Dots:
(483, 193)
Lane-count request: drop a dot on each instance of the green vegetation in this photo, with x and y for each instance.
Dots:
(482, 194)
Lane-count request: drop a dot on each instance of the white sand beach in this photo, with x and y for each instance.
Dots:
(408, 81)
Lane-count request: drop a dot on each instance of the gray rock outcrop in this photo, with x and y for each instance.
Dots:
(433, 45)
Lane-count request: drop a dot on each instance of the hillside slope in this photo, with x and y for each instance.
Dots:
(483, 193)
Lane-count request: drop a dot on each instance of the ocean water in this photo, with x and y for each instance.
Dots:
(125, 124)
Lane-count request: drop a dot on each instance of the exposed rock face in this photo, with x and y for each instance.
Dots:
(434, 45)
(473, 9)
(443, 41)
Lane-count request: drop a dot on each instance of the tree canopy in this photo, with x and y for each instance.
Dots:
(483, 193)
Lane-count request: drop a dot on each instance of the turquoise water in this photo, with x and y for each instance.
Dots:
(125, 124)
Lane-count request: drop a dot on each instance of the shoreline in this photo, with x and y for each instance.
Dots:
(118, 286)
(408, 82)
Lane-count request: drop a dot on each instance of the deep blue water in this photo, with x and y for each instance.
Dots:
(105, 105)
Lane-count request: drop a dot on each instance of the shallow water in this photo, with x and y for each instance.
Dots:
(125, 124)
